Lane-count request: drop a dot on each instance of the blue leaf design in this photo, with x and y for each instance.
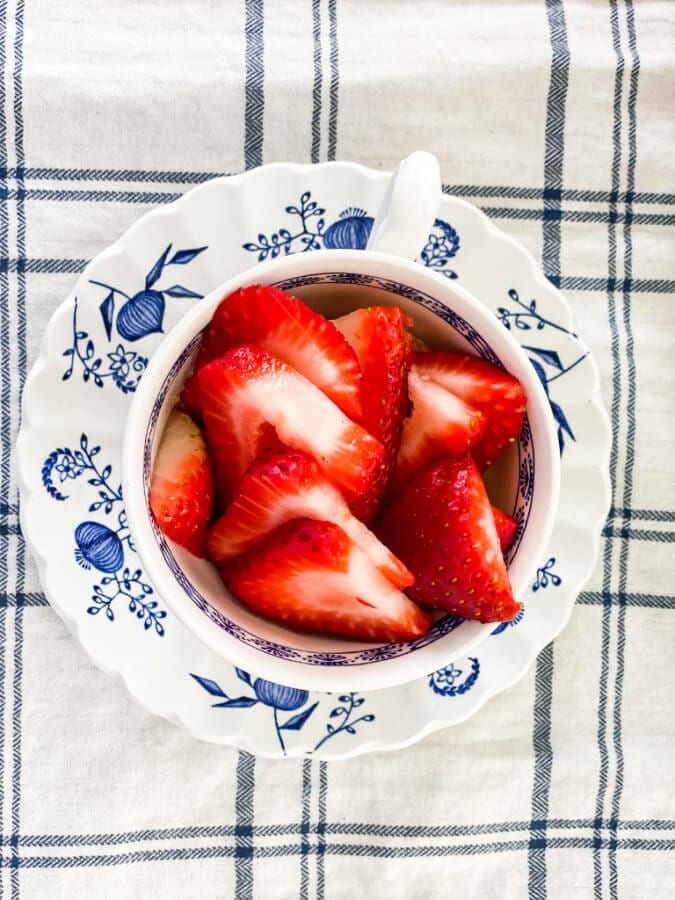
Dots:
(156, 271)
(181, 257)
(549, 356)
(210, 686)
(296, 722)
(541, 374)
(240, 702)
(177, 290)
(107, 309)
(243, 676)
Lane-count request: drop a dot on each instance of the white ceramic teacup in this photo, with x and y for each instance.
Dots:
(523, 483)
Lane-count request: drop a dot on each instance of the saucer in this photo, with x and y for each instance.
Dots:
(95, 350)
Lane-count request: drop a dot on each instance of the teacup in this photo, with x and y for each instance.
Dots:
(524, 483)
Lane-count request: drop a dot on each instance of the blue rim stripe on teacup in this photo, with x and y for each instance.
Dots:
(375, 653)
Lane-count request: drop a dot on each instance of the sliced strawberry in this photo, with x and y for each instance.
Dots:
(382, 343)
(498, 395)
(442, 527)
(181, 488)
(289, 330)
(506, 527)
(440, 425)
(292, 486)
(311, 576)
(247, 389)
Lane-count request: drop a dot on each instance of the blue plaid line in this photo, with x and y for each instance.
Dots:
(656, 515)
(95, 196)
(318, 80)
(321, 833)
(334, 79)
(243, 849)
(305, 848)
(27, 173)
(630, 442)
(22, 599)
(626, 598)
(17, 687)
(255, 84)
(553, 178)
(329, 828)
(558, 214)
(626, 532)
(510, 192)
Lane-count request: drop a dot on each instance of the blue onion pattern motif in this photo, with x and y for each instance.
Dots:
(285, 698)
(350, 231)
(130, 317)
(277, 697)
(453, 681)
(342, 719)
(98, 546)
(141, 315)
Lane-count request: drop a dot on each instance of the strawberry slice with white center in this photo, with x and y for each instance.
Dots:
(440, 424)
(247, 389)
(311, 576)
(288, 329)
(292, 486)
(181, 487)
(443, 528)
(499, 396)
(382, 343)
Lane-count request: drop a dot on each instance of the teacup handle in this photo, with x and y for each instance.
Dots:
(409, 207)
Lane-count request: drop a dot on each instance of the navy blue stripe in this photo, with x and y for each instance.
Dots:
(255, 84)
(97, 196)
(555, 134)
(608, 555)
(533, 193)
(554, 214)
(305, 828)
(334, 79)
(624, 532)
(419, 851)
(554, 153)
(462, 190)
(17, 685)
(318, 81)
(630, 446)
(321, 833)
(626, 599)
(333, 828)
(543, 766)
(657, 515)
(243, 849)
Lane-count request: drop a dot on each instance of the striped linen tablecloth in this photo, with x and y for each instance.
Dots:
(556, 119)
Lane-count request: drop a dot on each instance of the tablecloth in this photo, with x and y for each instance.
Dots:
(556, 119)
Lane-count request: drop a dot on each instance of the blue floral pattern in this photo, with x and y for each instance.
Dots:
(453, 680)
(138, 316)
(546, 362)
(282, 700)
(350, 231)
(99, 546)
(546, 576)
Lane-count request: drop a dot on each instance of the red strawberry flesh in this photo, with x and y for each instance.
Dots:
(487, 388)
(288, 329)
(382, 343)
(442, 527)
(181, 487)
(292, 486)
(440, 424)
(247, 389)
(309, 575)
(506, 527)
